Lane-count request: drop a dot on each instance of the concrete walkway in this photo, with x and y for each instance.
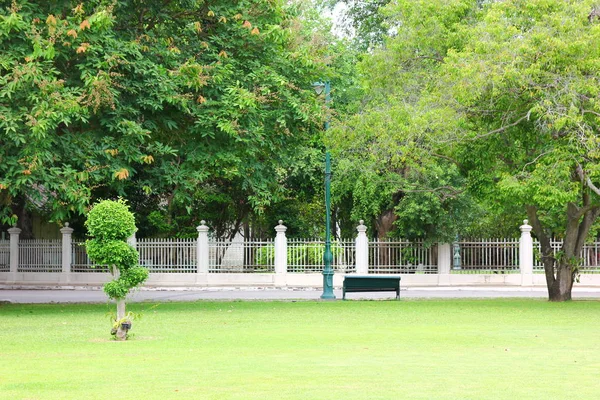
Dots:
(95, 295)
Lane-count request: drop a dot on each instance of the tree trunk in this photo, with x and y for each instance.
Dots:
(561, 288)
(121, 332)
(561, 271)
(384, 225)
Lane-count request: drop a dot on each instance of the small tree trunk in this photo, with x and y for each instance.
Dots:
(121, 333)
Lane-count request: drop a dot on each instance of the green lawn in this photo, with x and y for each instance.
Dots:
(458, 349)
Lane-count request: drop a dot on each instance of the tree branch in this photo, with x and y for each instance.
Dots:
(586, 180)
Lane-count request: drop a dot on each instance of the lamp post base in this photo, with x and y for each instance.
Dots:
(328, 286)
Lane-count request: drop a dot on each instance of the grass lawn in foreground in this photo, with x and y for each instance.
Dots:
(450, 349)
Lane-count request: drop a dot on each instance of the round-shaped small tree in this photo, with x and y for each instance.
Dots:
(110, 223)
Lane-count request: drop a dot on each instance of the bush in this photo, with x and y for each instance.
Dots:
(111, 223)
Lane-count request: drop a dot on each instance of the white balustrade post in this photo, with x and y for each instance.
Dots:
(202, 248)
(14, 252)
(444, 262)
(131, 240)
(280, 254)
(362, 249)
(526, 254)
(66, 252)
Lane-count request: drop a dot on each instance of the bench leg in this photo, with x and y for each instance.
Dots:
(398, 294)
(343, 293)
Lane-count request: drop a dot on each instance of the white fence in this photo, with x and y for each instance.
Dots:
(226, 256)
(168, 255)
(4, 256)
(485, 256)
(401, 257)
(40, 256)
(202, 261)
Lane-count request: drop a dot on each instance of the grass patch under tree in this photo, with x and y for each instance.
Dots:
(451, 349)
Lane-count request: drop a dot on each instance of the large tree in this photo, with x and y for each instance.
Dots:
(506, 92)
(162, 98)
(525, 88)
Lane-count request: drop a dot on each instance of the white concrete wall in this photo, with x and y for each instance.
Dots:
(289, 280)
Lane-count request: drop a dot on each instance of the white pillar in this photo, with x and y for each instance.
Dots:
(14, 252)
(280, 254)
(66, 251)
(444, 263)
(131, 240)
(526, 254)
(362, 249)
(202, 248)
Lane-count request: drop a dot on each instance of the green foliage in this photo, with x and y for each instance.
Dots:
(157, 102)
(110, 220)
(110, 223)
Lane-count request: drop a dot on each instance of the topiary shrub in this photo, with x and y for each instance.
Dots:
(110, 223)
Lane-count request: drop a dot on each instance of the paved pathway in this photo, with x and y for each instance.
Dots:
(83, 295)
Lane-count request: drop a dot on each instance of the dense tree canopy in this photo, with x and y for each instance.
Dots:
(493, 104)
(176, 103)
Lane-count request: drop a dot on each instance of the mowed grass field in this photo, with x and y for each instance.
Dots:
(430, 349)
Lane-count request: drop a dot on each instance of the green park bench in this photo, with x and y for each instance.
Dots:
(371, 283)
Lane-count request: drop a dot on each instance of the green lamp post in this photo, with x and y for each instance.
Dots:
(327, 256)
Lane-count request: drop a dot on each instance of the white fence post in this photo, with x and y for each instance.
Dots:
(280, 254)
(444, 262)
(66, 252)
(14, 252)
(131, 240)
(526, 254)
(362, 250)
(202, 248)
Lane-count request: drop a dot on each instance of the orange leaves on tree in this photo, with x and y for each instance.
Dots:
(201, 99)
(83, 48)
(26, 172)
(121, 174)
(85, 24)
(210, 13)
(112, 152)
(237, 16)
(3, 186)
(255, 31)
(247, 24)
(72, 33)
(222, 19)
(198, 26)
(223, 54)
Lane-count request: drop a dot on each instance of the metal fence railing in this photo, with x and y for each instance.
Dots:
(401, 257)
(486, 256)
(4, 256)
(307, 255)
(226, 256)
(168, 255)
(40, 256)
(477, 256)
